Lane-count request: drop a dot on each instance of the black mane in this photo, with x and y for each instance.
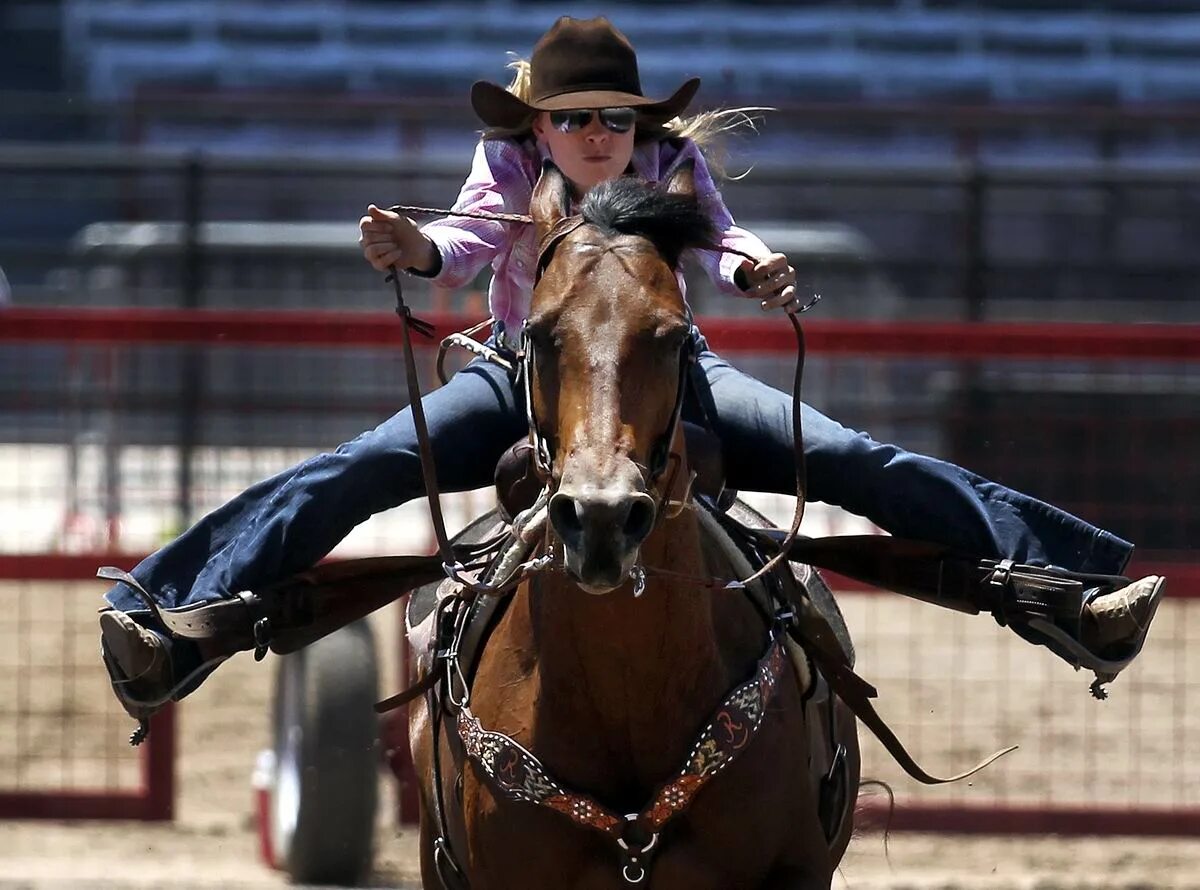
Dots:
(630, 206)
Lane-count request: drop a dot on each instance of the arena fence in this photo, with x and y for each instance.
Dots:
(62, 749)
(107, 415)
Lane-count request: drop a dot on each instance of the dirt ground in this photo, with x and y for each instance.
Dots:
(220, 854)
(955, 687)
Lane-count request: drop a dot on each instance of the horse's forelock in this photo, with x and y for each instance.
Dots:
(629, 206)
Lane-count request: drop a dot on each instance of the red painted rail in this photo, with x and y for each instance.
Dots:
(333, 329)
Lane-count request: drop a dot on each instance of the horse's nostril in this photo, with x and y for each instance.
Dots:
(639, 520)
(564, 516)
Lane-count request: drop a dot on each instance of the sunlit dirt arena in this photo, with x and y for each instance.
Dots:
(213, 841)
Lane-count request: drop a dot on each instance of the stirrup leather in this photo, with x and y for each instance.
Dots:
(1022, 593)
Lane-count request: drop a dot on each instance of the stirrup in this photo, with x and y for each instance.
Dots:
(140, 710)
(1105, 669)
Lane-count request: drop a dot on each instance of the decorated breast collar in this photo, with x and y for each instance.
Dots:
(519, 776)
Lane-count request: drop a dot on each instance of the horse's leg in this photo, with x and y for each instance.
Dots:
(420, 740)
(807, 863)
(429, 876)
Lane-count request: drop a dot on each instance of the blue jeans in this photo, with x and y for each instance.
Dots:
(285, 524)
(909, 495)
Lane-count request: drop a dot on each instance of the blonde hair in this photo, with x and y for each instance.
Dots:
(708, 129)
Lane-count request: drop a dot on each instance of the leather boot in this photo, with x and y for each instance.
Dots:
(1116, 622)
(138, 664)
(1115, 625)
(285, 616)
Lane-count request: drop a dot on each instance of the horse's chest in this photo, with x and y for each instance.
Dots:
(745, 852)
(735, 833)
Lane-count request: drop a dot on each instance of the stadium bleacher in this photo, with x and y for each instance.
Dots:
(919, 54)
(981, 50)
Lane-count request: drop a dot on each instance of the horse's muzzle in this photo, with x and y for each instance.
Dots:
(601, 531)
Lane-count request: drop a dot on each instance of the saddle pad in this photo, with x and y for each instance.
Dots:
(422, 602)
(730, 561)
(818, 704)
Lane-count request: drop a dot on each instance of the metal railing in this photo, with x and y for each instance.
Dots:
(966, 240)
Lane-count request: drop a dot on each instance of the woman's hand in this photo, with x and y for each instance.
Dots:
(770, 280)
(389, 239)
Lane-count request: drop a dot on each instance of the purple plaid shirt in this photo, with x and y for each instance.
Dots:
(503, 173)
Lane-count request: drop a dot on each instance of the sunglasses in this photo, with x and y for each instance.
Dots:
(617, 120)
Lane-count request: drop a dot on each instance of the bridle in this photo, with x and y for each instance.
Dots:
(543, 454)
(660, 454)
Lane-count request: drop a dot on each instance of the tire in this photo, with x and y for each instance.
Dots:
(324, 792)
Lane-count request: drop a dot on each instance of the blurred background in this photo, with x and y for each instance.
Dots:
(998, 200)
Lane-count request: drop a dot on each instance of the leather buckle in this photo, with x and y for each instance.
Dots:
(262, 638)
(260, 624)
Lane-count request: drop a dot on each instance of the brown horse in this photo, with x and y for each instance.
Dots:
(609, 690)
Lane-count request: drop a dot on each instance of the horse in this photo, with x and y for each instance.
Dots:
(600, 679)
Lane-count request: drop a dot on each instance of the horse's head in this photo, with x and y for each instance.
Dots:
(608, 341)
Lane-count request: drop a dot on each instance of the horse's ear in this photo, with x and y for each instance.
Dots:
(683, 180)
(551, 200)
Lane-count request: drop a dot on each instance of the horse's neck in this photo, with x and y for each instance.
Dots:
(639, 676)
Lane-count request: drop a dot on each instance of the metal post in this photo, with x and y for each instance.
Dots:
(192, 365)
(971, 404)
(158, 768)
(1103, 277)
(974, 243)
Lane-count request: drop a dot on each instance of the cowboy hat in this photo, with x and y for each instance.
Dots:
(578, 63)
